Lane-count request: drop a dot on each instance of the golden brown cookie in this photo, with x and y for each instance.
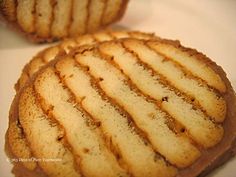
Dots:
(129, 107)
(49, 20)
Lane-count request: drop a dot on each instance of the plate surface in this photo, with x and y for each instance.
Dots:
(208, 26)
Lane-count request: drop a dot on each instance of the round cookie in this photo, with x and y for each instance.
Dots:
(129, 107)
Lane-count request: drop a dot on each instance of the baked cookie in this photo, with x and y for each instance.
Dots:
(50, 20)
(128, 107)
(16, 142)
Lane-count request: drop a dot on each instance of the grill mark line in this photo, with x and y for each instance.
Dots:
(192, 53)
(71, 19)
(41, 55)
(132, 85)
(64, 141)
(79, 107)
(120, 106)
(36, 17)
(53, 5)
(164, 81)
(122, 111)
(217, 125)
(191, 76)
(171, 122)
(186, 71)
(145, 43)
(51, 121)
(88, 15)
(115, 150)
(33, 12)
(103, 13)
(111, 147)
(121, 10)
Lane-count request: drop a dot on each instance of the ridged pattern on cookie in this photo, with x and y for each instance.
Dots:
(122, 97)
(48, 20)
(19, 147)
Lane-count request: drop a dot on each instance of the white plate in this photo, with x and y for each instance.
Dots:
(208, 26)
